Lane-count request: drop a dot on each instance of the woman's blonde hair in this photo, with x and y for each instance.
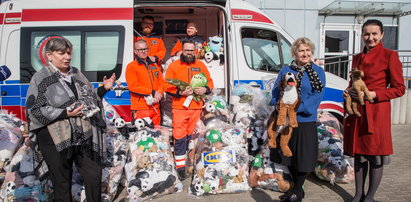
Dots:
(298, 42)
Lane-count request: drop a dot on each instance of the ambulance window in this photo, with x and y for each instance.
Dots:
(261, 49)
(39, 39)
(97, 50)
(286, 49)
(101, 50)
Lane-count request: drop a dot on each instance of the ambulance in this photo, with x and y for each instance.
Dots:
(253, 51)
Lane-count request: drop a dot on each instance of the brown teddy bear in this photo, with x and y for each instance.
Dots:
(258, 175)
(284, 118)
(359, 86)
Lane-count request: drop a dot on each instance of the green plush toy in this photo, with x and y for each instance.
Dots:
(146, 143)
(258, 161)
(198, 80)
(213, 136)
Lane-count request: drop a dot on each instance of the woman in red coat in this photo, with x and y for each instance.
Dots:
(368, 138)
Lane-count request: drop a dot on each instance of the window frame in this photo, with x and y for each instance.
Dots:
(279, 42)
(27, 70)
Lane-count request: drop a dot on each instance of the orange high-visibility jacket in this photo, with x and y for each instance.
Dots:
(184, 72)
(143, 80)
(179, 45)
(155, 45)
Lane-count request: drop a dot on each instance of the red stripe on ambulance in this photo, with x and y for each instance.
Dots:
(247, 15)
(10, 18)
(331, 106)
(73, 14)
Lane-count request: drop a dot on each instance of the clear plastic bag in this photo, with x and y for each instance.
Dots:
(332, 165)
(221, 161)
(150, 169)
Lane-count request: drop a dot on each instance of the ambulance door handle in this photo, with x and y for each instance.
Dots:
(256, 85)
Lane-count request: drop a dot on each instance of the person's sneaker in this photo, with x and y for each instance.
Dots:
(181, 174)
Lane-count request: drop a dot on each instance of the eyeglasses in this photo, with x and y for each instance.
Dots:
(188, 50)
(141, 50)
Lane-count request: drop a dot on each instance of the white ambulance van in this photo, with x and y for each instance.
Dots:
(102, 31)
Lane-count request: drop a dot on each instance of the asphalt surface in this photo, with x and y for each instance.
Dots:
(395, 185)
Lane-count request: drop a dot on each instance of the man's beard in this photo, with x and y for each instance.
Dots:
(147, 30)
(187, 58)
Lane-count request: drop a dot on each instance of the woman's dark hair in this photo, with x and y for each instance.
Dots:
(373, 22)
(58, 44)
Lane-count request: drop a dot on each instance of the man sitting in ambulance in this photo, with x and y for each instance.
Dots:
(192, 30)
(156, 49)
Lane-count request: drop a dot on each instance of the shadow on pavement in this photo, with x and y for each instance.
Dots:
(336, 188)
(261, 196)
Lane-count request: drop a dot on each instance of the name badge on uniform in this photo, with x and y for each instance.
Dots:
(195, 69)
(152, 67)
(154, 42)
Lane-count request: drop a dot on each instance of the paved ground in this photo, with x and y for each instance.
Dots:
(395, 185)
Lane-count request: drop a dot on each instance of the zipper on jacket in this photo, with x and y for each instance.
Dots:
(150, 75)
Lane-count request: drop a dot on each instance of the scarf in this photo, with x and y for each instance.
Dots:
(48, 96)
(315, 82)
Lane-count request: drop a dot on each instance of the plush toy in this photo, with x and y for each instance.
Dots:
(142, 123)
(198, 80)
(359, 86)
(146, 143)
(87, 98)
(211, 112)
(121, 126)
(284, 119)
(119, 89)
(215, 43)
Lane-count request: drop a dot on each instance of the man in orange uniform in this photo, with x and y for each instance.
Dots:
(156, 49)
(185, 118)
(191, 35)
(145, 82)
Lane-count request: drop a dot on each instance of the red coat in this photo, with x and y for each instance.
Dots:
(370, 134)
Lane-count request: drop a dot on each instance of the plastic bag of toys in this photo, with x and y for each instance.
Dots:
(22, 183)
(150, 169)
(268, 175)
(117, 147)
(221, 162)
(11, 129)
(250, 110)
(215, 110)
(332, 165)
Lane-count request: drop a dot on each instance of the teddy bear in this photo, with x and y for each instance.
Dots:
(359, 86)
(284, 118)
(259, 178)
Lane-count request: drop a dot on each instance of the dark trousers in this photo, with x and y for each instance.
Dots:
(61, 169)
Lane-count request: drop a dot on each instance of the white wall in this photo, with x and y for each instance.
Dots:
(300, 18)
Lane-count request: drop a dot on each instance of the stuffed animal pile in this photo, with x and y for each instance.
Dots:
(150, 169)
(11, 129)
(214, 49)
(221, 161)
(87, 98)
(117, 150)
(21, 182)
(249, 110)
(214, 112)
(332, 165)
(266, 174)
